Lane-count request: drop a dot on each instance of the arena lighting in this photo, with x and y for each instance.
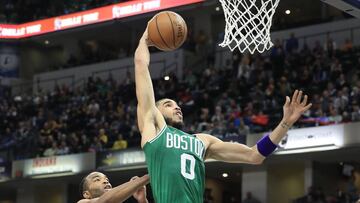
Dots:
(287, 12)
(225, 175)
(166, 78)
(51, 175)
(306, 150)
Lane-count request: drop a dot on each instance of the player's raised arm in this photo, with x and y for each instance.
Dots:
(149, 118)
(239, 153)
(144, 87)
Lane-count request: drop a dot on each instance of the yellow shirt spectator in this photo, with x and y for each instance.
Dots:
(103, 137)
(120, 143)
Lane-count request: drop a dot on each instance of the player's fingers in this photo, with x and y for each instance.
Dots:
(147, 178)
(134, 178)
(298, 98)
(307, 107)
(287, 101)
(294, 96)
(304, 101)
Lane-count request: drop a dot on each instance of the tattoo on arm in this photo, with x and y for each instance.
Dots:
(285, 125)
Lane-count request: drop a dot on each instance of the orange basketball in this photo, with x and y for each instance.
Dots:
(167, 31)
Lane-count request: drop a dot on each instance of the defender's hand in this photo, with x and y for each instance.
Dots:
(140, 194)
(295, 108)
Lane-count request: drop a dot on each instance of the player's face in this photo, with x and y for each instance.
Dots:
(171, 112)
(98, 184)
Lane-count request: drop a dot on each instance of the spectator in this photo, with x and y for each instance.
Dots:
(244, 69)
(277, 55)
(96, 145)
(250, 199)
(190, 79)
(75, 145)
(103, 138)
(335, 117)
(292, 44)
(355, 115)
(317, 50)
(84, 143)
(243, 129)
(51, 151)
(330, 47)
(63, 149)
(93, 107)
(347, 46)
(201, 41)
(120, 143)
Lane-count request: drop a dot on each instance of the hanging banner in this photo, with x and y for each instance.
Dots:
(98, 15)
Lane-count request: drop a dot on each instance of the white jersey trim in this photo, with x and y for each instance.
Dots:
(203, 155)
(158, 135)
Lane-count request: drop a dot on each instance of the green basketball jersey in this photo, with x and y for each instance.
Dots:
(176, 167)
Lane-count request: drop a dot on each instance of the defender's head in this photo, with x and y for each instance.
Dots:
(171, 112)
(94, 185)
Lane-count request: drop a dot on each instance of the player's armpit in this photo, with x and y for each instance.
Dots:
(230, 152)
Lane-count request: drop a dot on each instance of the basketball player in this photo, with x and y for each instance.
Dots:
(175, 158)
(96, 188)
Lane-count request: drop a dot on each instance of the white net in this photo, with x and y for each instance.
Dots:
(248, 24)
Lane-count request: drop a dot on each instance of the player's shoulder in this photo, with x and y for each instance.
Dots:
(205, 135)
(207, 138)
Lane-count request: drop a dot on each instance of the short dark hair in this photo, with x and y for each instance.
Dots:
(83, 186)
(157, 103)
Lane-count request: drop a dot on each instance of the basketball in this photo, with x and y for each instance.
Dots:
(167, 31)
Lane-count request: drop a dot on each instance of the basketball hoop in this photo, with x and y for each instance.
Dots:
(248, 24)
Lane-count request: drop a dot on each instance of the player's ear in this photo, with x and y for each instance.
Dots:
(86, 195)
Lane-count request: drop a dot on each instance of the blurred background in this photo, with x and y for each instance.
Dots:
(68, 105)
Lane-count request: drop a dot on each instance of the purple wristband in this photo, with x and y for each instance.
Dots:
(265, 146)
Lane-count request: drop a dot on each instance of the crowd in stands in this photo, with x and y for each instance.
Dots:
(317, 195)
(229, 103)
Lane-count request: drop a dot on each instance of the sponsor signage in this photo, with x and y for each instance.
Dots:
(313, 137)
(5, 171)
(118, 159)
(115, 11)
(52, 165)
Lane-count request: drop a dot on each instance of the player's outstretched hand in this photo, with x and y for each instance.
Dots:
(295, 107)
(140, 194)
